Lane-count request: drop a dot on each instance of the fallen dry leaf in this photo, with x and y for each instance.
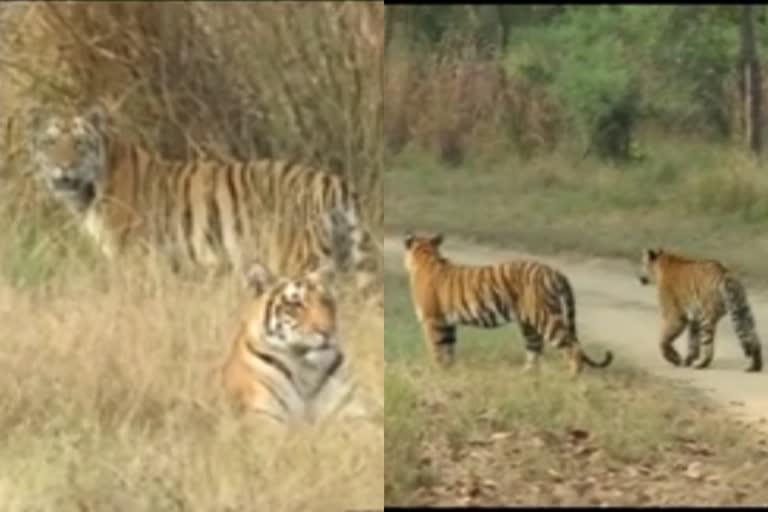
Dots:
(557, 477)
(489, 484)
(500, 436)
(693, 471)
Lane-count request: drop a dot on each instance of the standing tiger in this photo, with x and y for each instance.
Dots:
(286, 361)
(201, 211)
(696, 294)
(446, 295)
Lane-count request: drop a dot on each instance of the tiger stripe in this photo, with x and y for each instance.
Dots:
(204, 212)
(286, 361)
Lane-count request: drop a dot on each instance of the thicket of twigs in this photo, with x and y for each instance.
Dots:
(244, 79)
(455, 101)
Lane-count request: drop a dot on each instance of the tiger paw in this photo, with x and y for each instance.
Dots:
(701, 365)
(672, 357)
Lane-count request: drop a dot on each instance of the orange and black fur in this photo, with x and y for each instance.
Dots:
(287, 361)
(696, 294)
(446, 295)
(216, 214)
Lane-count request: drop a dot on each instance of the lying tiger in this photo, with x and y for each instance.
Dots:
(446, 295)
(696, 294)
(286, 361)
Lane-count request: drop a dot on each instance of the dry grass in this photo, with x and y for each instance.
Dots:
(461, 97)
(111, 397)
(242, 79)
(455, 103)
(485, 434)
(112, 402)
(700, 198)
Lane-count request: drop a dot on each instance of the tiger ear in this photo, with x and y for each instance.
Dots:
(34, 120)
(652, 254)
(437, 240)
(409, 238)
(257, 278)
(97, 116)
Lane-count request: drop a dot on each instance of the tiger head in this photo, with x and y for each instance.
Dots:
(70, 156)
(649, 265)
(295, 315)
(418, 247)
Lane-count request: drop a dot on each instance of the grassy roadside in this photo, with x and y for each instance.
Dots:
(485, 434)
(702, 199)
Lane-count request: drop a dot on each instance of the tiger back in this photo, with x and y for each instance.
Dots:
(446, 295)
(695, 294)
(202, 212)
(286, 361)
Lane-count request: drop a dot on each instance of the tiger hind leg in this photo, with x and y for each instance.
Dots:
(694, 344)
(353, 249)
(756, 356)
(575, 359)
(707, 338)
(363, 256)
(561, 336)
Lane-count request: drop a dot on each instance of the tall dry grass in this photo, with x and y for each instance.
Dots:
(456, 102)
(242, 79)
(112, 398)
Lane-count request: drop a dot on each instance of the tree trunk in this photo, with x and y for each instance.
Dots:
(503, 27)
(752, 88)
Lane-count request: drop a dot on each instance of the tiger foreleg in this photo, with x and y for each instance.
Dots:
(355, 244)
(533, 347)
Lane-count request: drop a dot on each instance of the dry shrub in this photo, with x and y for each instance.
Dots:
(243, 79)
(112, 392)
(109, 372)
(456, 100)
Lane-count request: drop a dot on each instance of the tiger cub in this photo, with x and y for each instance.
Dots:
(696, 294)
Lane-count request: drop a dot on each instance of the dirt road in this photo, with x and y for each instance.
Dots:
(612, 308)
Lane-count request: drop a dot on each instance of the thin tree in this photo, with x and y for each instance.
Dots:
(751, 82)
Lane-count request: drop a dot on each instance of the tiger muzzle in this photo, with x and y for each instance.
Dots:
(65, 183)
(79, 192)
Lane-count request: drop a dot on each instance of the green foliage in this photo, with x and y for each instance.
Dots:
(482, 24)
(607, 68)
(695, 55)
(592, 80)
